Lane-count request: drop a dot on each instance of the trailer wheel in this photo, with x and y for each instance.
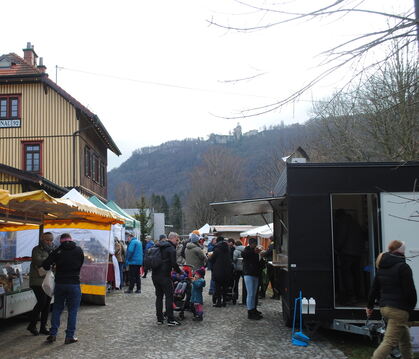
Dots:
(286, 315)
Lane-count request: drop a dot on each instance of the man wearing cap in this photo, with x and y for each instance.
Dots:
(194, 254)
(395, 291)
(68, 259)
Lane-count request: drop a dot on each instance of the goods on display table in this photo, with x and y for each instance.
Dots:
(90, 228)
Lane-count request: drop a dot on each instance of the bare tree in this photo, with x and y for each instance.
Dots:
(125, 195)
(219, 178)
(379, 118)
(349, 54)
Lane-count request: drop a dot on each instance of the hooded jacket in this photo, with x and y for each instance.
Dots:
(195, 256)
(134, 255)
(168, 254)
(393, 284)
(197, 287)
(39, 254)
(68, 259)
(222, 265)
(237, 258)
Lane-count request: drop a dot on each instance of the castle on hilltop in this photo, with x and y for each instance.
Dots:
(233, 136)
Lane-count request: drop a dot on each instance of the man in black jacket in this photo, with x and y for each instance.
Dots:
(395, 291)
(68, 259)
(162, 280)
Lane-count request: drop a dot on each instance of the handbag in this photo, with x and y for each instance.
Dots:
(48, 284)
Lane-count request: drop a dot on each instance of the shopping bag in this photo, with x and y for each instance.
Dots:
(42, 272)
(48, 284)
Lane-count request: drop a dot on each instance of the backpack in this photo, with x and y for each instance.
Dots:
(153, 258)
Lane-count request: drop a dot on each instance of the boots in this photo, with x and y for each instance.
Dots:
(218, 303)
(224, 302)
(32, 328)
(198, 318)
(253, 314)
(43, 329)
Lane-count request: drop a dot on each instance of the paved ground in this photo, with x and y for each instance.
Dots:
(126, 328)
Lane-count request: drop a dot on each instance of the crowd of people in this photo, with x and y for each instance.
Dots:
(229, 263)
(178, 272)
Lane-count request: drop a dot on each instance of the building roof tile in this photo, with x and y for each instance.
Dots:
(13, 66)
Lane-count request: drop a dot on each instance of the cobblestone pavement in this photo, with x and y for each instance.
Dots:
(126, 328)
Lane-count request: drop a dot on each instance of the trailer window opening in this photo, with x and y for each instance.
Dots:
(355, 247)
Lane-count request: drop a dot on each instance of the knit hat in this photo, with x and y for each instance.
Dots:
(396, 246)
(194, 238)
(162, 236)
(200, 272)
(195, 231)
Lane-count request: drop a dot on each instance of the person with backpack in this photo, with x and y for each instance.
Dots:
(162, 259)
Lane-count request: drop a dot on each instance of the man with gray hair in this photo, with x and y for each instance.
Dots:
(162, 280)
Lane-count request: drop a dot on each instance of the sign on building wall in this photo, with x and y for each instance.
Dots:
(9, 123)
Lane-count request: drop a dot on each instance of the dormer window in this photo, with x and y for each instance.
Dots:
(5, 64)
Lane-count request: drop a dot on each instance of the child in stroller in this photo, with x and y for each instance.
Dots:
(182, 290)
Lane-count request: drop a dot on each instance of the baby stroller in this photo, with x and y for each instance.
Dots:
(182, 286)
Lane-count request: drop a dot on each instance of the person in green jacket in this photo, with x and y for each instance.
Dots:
(36, 277)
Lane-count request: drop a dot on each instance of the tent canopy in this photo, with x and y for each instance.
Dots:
(75, 195)
(114, 206)
(38, 207)
(263, 231)
(129, 222)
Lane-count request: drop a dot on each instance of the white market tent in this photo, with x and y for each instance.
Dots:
(75, 195)
(265, 231)
(205, 229)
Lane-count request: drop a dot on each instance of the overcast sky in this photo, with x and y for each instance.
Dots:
(155, 70)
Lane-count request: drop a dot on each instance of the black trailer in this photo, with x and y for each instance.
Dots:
(318, 209)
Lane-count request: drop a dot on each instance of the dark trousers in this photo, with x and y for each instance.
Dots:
(42, 307)
(237, 275)
(134, 277)
(221, 290)
(164, 288)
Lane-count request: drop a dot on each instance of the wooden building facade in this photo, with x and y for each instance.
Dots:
(46, 132)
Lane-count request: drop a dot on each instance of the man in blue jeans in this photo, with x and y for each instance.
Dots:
(68, 259)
